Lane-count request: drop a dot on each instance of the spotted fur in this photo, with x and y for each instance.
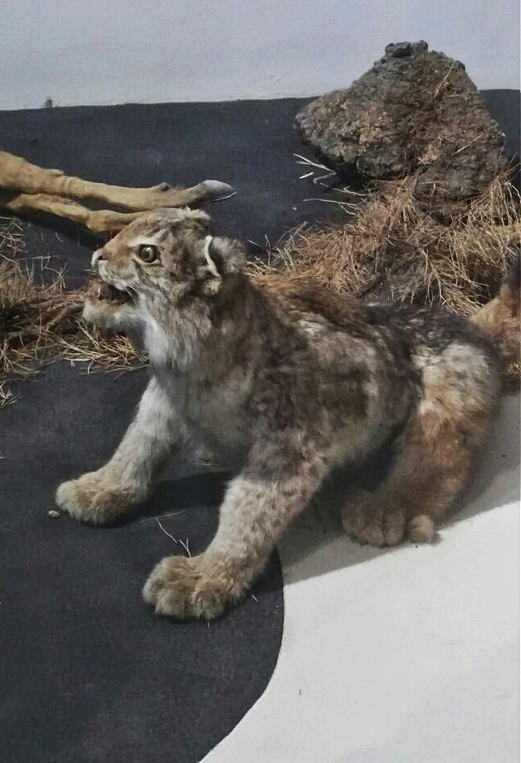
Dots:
(285, 383)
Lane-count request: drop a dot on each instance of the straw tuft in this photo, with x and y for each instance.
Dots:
(396, 246)
(40, 323)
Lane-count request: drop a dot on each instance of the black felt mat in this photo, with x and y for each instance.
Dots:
(87, 673)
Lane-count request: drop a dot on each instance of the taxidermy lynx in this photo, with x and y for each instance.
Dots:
(286, 382)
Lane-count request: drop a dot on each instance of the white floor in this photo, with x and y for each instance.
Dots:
(402, 656)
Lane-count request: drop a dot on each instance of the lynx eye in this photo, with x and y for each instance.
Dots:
(148, 253)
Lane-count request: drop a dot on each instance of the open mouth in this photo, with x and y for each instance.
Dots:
(105, 292)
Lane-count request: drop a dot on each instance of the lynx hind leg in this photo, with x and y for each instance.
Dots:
(429, 471)
(434, 457)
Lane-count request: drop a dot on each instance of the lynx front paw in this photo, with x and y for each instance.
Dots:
(184, 588)
(94, 498)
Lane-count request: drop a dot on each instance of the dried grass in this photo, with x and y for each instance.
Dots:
(394, 245)
(41, 323)
(391, 245)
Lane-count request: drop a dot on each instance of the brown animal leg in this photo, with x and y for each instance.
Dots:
(99, 221)
(255, 512)
(422, 486)
(431, 467)
(19, 175)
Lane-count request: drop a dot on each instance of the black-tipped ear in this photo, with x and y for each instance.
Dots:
(220, 257)
(227, 254)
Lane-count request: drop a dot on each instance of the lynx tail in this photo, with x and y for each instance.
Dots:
(500, 318)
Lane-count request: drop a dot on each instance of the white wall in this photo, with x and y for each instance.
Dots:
(116, 51)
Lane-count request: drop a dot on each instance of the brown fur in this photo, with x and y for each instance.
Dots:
(285, 382)
(25, 187)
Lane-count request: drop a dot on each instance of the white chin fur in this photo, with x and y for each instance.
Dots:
(106, 315)
(91, 312)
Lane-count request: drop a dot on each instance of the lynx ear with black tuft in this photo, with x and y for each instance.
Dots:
(207, 271)
(221, 257)
(227, 254)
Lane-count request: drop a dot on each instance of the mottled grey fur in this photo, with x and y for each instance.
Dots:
(285, 382)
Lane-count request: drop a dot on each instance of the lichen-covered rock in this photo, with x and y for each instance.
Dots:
(415, 112)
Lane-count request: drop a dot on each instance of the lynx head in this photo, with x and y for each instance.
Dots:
(163, 261)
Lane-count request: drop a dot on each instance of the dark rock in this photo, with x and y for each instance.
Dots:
(415, 112)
